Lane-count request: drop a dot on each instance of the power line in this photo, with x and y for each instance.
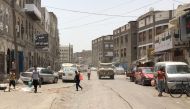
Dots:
(178, 1)
(85, 12)
(105, 19)
(113, 7)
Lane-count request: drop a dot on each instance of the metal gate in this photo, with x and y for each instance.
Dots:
(2, 65)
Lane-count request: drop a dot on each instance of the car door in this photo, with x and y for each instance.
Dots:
(47, 75)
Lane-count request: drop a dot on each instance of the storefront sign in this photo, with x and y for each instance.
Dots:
(41, 41)
(163, 42)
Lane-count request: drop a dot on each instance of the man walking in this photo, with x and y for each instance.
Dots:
(35, 78)
(89, 73)
(12, 79)
(77, 80)
(160, 79)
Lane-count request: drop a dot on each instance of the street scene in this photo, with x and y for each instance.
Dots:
(98, 54)
(96, 94)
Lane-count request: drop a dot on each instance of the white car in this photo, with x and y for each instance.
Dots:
(69, 73)
(119, 71)
(93, 69)
(46, 75)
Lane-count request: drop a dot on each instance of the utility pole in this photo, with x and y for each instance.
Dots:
(15, 39)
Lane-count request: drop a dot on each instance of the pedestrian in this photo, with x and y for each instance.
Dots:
(77, 80)
(12, 79)
(89, 73)
(35, 79)
(160, 80)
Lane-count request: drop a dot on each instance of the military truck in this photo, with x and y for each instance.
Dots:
(106, 70)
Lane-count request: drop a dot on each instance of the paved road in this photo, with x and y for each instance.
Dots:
(119, 94)
(97, 94)
(19, 99)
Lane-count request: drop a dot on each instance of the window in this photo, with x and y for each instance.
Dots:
(126, 38)
(187, 24)
(150, 34)
(111, 45)
(121, 39)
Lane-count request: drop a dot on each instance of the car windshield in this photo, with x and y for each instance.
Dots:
(69, 69)
(105, 65)
(147, 70)
(178, 69)
(31, 69)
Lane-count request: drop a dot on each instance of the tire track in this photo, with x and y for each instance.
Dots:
(119, 96)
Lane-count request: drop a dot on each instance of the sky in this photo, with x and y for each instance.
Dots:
(81, 21)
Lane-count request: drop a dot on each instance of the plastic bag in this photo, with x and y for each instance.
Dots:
(81, 77)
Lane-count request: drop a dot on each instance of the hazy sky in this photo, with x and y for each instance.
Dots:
(79, 29)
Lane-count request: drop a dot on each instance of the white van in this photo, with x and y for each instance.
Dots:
(176, 72)
(69, 73)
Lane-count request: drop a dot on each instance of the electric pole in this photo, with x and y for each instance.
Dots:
(15, 39)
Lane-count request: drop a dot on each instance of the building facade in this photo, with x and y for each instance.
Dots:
(171, 45)
(125, 44)
(102, 50)
(84, 57)
(149, 25)
(66, 54)
(21, 21)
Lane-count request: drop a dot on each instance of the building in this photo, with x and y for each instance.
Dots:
(149, 25)
(66, 54)
(125, 44)
(22, 44)
(172, 45)
(102, 50)
(84, 57)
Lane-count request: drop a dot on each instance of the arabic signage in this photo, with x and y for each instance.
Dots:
(163, 42)
(41, 41)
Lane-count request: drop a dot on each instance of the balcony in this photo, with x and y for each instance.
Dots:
(33, 11)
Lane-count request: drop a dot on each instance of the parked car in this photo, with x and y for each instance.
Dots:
(176, 72)
(46, 75)
(69, 73)
(119, 71)
(93, 69)
(144, 75)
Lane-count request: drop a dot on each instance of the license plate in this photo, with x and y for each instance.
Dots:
(70, 74)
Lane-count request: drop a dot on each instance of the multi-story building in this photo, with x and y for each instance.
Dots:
(125, 44)
(84, 57)
(171, 45)
(150, 25)
(21, 22)
(102, 49)
(66, 54)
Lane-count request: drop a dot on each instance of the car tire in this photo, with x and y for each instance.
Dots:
(41, 81)
(99, 77)
(55, 80)
(135, 81)
(143, 82)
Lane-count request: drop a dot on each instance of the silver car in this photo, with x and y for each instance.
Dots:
(46, 75)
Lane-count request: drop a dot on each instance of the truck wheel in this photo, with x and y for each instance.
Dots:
(112, 77)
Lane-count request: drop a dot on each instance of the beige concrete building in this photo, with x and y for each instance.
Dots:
(102, 49)
(66, 54)
(171, 45)
(125, 44)
(84, 57)
(150, 25)
(21, 21)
